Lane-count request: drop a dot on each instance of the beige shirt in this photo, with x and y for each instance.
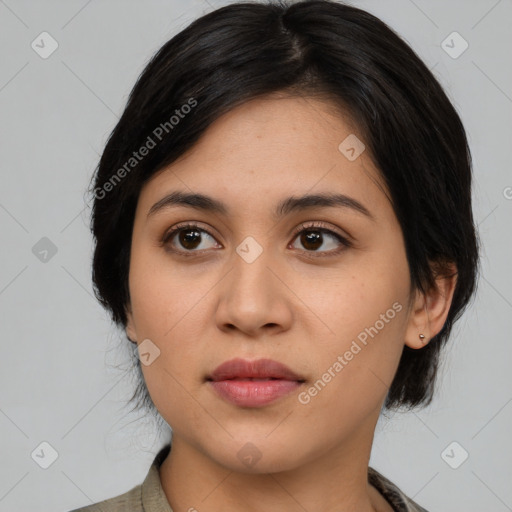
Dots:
(149, 496)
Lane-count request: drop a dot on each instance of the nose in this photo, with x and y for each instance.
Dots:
(254, 297)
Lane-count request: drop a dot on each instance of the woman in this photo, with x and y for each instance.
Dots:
(284, 230)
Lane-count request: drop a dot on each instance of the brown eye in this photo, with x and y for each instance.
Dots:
(188, 238)
(314, 237)
(311, 240)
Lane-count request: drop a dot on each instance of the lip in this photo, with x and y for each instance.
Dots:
(253, 383)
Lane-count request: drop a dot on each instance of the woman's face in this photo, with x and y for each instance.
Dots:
(262, 281)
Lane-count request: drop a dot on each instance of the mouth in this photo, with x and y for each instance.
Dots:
(253, 383)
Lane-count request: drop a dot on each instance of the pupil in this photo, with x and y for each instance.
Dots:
(311, 237)
(187, 238)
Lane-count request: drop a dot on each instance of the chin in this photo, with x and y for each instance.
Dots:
(257, 457)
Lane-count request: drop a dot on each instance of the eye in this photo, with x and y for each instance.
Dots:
(315, 235)
(189, 236)
(192, 238)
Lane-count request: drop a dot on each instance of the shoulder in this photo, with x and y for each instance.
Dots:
(395, 497)
(130, 501)
(145, 497)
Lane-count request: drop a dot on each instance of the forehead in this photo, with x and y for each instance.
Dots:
(269, 148)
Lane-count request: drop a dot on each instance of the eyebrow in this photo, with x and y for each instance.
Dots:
(285, 207)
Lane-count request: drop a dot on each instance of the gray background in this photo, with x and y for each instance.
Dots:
(58, 382)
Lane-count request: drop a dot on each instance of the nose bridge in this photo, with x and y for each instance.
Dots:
(251, 278)
(252, 297)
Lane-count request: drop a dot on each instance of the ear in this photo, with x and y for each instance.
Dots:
(429, 311)
(130, 325)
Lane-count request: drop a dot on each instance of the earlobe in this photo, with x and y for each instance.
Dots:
(430, 311)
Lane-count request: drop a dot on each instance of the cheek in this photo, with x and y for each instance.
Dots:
(163, 301)
(353, 375)
(163, 293)
(366, 310)
(368, 293)
(170, 317)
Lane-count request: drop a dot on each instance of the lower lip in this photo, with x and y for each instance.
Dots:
(253, 393)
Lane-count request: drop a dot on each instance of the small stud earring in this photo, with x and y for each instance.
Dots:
(422, 337)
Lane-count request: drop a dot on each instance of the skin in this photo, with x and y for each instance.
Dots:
(302, 311)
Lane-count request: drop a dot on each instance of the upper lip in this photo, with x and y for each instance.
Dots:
(261, 368)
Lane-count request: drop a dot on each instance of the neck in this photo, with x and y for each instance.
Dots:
(336, 481)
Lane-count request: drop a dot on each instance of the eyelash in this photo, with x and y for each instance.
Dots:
(314, 226)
